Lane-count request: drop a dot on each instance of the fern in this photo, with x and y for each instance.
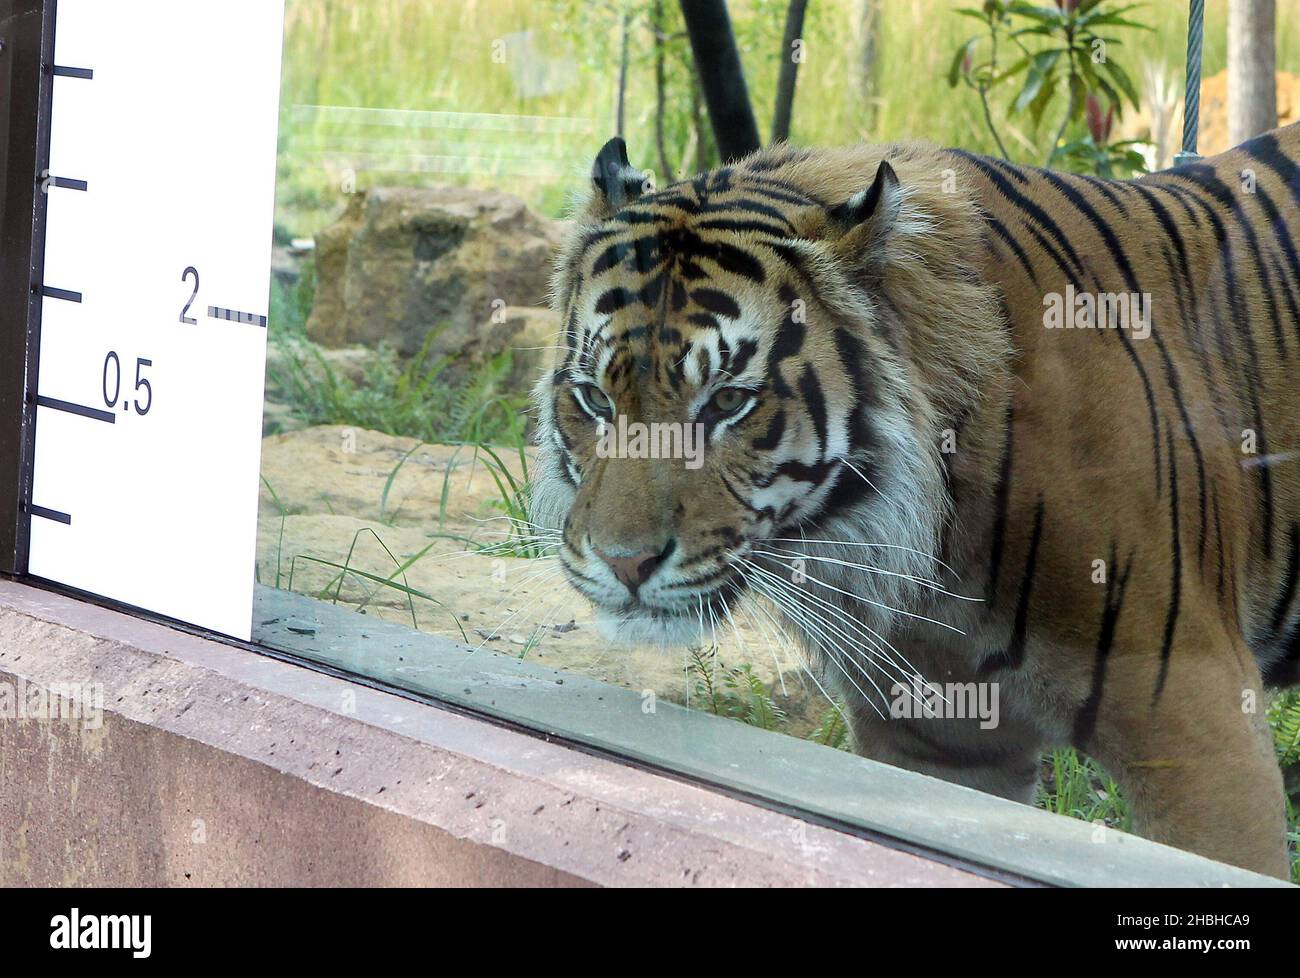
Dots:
(832, 730)
(733, 691)
(700, 667)
(1284, 717)
(752, 700)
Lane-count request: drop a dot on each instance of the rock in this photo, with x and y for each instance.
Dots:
(403, 261)
(530, 334)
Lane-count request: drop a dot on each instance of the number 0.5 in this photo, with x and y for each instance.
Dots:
(141, 382)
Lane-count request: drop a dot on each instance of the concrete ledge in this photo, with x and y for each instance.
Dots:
(211, 765)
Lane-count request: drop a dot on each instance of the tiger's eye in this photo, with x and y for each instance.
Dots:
(598, 399)
(729, 400)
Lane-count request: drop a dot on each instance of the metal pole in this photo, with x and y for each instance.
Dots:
(26, 57)
(1192, 100)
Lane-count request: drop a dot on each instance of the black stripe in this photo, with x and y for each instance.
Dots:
(1265, 149)
(1218, 543)
(1014, 656)
(65, 72)
(1176, 573)
(1283, 236)
(772, 437)
(1036, 213)
(811, 389)
(1226, 336)
(66, 183)
(1001, 498)
(788, 342)
(612, 300)
(1014, 172)
(852, 358)
(717, 302)
(52, 293)
(742, 227)
(1085, 722)
(748, 207)
(1171, 371)
(1283, 604)
(1170, 228)
(1000, 229)
(1106, 188)
(737, 496)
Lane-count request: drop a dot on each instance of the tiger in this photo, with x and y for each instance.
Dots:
(966, 421)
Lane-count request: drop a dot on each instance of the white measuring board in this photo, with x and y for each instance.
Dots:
(156, 290)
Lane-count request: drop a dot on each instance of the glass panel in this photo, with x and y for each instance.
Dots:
(434, 161)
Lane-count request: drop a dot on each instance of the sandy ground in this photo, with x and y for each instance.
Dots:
(417, 517)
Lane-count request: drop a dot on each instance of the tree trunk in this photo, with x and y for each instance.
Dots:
(657, 29)
(869, 39)
(622, 79)
(789, 70)
(1252, 66)
(717, 65)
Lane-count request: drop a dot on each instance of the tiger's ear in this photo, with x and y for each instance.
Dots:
(617, 182)
(863, 223)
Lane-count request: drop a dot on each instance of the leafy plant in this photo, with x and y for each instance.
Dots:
(832, 730)
(417, 398)
(1094, 153)
(733, 691)
(1060, 55)
(1284, 717)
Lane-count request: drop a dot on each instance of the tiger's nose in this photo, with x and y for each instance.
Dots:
(635, 569)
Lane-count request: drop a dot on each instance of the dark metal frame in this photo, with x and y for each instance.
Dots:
(26, 89)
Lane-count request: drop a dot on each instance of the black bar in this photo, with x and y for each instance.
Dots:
(717, 65)
(235, 316)
(26, 90)
(68, 407)
(65, 72)
(52, 293)
(67, 184)
(51, 514)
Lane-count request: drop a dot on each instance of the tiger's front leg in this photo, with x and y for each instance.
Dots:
(1001, 758)
(1196, 760)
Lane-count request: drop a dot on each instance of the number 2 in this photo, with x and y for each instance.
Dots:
(187, 320)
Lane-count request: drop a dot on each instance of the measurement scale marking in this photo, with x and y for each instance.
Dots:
(69, 184)
(66, 72)
(51, 514)
(78, 409)
(234, 316)
(52, 293)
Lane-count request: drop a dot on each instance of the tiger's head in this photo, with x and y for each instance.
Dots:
(744, 372)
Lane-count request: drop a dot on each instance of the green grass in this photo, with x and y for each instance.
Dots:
(416, 398)
(409, 54)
